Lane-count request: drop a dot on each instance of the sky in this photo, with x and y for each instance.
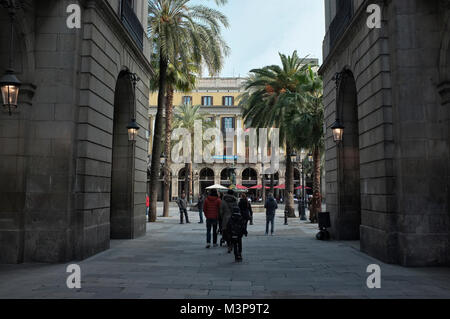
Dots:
(259, 29)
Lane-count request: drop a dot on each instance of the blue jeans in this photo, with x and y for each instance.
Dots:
(270, 219)
(211, 223)
(200, 214)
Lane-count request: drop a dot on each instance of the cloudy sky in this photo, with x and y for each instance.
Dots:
(262, 28)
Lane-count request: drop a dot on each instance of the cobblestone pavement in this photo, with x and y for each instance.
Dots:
(172, 262)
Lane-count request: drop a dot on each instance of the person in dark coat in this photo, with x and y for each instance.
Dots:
(226, 210)
(246, 208)
(200, 203)
(182, 205)
(211, 208)
(271, 207)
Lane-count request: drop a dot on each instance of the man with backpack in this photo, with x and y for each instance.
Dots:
(228, 205)
(271, 207)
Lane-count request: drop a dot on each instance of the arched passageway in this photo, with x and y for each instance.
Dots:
(227, 176)
(122, 180)
(181, 182)
(206, 179)
(346, 223)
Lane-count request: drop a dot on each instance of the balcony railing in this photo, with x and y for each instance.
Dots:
(132, 23)
(341, 21)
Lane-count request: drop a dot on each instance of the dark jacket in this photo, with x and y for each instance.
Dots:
(271, 206)
(211, 207)
(246, 209)
(226, 209)
(201, 202)
(182, 203)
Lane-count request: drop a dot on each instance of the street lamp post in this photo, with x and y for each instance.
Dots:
(9, 83)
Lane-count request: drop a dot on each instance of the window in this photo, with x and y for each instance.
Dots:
(228, 123)
(228, 101)
(207, 100)
(187, 100)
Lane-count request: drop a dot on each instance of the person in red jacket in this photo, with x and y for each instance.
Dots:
(211, 209)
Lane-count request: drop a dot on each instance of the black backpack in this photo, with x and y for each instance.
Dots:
(236, 224)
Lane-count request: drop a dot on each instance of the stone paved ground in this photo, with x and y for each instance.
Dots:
(172, 262)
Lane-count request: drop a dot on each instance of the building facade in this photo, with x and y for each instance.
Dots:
(388, 181)
(69, 178)
(219, 99)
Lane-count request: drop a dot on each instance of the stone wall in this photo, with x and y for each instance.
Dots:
(403, 133)
(56, 150)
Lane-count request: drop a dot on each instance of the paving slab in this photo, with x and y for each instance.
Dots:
(171, 262)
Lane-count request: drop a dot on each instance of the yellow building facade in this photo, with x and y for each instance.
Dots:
(219, 99)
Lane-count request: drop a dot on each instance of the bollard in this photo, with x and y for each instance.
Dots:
(286, 217)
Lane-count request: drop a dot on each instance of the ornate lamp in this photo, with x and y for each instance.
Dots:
(338, 131)
(133, 130)
(9, 83)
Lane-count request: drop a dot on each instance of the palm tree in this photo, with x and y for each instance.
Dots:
(306, 121)
(187, 34)
(264, 107)
(183, 83)
(185, 117)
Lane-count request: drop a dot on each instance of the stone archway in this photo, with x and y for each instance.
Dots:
(346, 222)
(182, 181)
(206, 179)
(122, 177)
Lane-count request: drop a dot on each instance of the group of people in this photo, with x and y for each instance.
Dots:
(229, 217)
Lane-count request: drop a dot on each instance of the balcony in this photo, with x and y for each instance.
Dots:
(132, 23)
(341, 21)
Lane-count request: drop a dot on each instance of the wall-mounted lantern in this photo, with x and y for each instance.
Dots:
(133, 130)
(338, 131)
(9, 83)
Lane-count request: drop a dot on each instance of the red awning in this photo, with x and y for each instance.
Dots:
(258, 187)
(241, 187)
(282, 186)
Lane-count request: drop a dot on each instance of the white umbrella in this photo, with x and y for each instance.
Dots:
(217, 186)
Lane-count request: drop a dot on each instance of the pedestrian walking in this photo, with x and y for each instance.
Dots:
(200, 203)
(211, 207)
(182, 205)
(229, 202)
(246, 208)
(237, 228)
(271, 207)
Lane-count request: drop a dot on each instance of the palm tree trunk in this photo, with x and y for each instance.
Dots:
(157, 137)
(317, 197)
(168, 150)
(289, 183)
